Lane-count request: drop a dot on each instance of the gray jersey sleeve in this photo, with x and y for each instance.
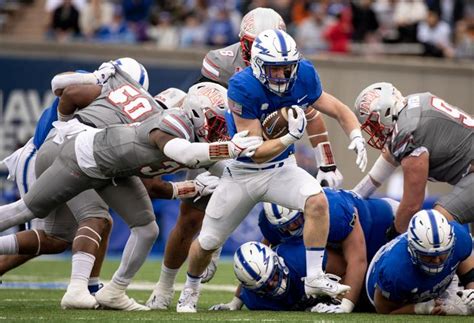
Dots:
(219, 65)
(176, 123)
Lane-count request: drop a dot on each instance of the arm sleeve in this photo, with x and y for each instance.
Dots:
(64, 80)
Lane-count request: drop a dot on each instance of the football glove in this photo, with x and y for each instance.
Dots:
(358, 145)
(234, 305)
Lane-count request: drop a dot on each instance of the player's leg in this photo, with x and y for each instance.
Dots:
(458, 205)
(307, 195)
(176, 251)
(130, 200)
(228, 206)
(94, 279)
(89, 222)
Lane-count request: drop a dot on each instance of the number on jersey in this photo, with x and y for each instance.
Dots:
(453, 112)
(132, 102)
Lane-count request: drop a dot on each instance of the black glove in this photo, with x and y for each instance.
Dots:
(391, 232)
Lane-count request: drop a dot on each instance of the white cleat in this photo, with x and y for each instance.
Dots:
(187, 302)
(78, 299)
(325, 284)
(160, 298)
(110, 297)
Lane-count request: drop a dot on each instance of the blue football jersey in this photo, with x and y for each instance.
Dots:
(45, 123)
(294, 255)
(255, 101)
(400, 280)
(375, 216)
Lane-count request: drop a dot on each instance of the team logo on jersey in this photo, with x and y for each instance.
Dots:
(264, 106)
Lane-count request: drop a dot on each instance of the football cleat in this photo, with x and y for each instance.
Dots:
(160, 298)
(78, 299)
(187, 302)
(111, 297)
(324, 284)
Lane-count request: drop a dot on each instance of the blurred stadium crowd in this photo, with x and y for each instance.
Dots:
(439, 28)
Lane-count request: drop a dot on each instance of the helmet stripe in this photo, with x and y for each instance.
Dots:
(247, 266)
(276, 213)
(142, 75)
(284, 50)
(434, 226)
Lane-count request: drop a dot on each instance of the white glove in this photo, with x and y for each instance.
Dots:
(467, 297)
(454, 306)
(206, 183)
(241, 145)
(329, 176)
(234, 305)
(345, 306)
(296, 126)
(358, 145)
(104, 72)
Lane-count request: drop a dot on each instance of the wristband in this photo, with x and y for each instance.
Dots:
(324, 155)
(288, 140)
(236, 303)
(184, 189)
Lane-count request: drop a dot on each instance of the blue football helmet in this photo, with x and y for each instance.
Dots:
(430, 235)
(275, 60)
(288, 222)
(260, 269)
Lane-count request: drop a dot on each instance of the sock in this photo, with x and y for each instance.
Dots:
(94, 281)
(135, 252)
(9, 245)
(82, 264)
(314, 261)
(167, 277)
(192, 281)
(14, 214)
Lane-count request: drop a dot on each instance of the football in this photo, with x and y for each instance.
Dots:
(275, 124)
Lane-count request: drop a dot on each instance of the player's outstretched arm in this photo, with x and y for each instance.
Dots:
(328, 174)
(415, 177)
(334, 108)
(235, 304)
(385, 306)
(199, 154)
(383, 167)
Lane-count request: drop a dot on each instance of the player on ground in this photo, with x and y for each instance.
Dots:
(430, 139)
(276, 79)
(356, 231)
(415, 273)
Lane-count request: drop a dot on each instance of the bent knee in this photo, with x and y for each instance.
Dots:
(316, 205)
(209, 242)
(148, 232)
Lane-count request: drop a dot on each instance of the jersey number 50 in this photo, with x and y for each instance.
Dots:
(130, 100)
(454, 113)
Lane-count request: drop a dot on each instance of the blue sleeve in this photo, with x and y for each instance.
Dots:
(255, 302)
(244, 90)
(308, 73)
(267, 231)
(390, 286)
(463, 247)
(45, 123)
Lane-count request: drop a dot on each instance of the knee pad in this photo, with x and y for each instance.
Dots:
(148, 231)
(209, 242)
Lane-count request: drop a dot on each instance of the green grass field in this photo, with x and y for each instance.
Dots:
(35, 305)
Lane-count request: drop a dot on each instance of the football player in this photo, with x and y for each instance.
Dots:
(356, 231)
(430, 139)
(179, 122)
(415, 273)
(277, 78)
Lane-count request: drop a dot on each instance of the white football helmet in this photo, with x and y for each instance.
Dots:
(134, 69)
(170, 98)
(288, 222)
(253, 23)
(430, 235)
(260, 269)
(377, 108)
(205, 104)
(275, 49)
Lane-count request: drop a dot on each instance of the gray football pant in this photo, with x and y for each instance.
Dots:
(460, 202)
(65, 180)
